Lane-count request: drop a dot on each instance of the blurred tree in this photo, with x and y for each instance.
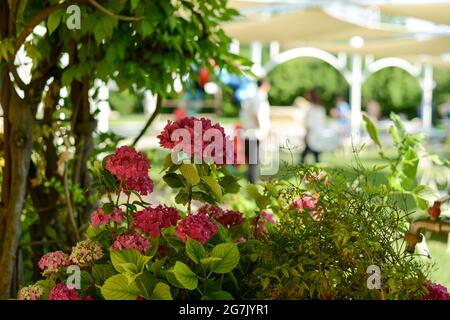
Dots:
(396, 91)
(294, 78)
(441, 92)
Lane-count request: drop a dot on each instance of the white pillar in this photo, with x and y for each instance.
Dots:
(427, 97)
(355, 95)
(235, 46)
(274, 49)
(256, 53)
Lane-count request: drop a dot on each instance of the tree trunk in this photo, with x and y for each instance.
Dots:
(43, 198)
(17, 148)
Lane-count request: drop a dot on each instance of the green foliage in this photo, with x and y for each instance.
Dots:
(324, 252)
(294, 78)
(326, 229)
(395, 90)
(402, 176)
(126, 102)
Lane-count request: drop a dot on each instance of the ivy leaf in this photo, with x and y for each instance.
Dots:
(54, 20)
(170, 276)
(190, 173)
(118, 288)
(208, 261)
(372, 130)
(101, 272)
(218, 295)
(214, 186)
(46, 285)
(230, 184)
(173, 180)
(128, 261)
(161, 292)
(185, 276)
(229, 255)
(195, 250)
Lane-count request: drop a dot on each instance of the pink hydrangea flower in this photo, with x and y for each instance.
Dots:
(197, 226)
(99, 217)
(131, 167)
(131, 241)
(53, 262)
(33, 292)
(306, 202)
(202, 143)
(86, 252)
(227, 218)
(62, 292)
(152, 220)
(436, 292)
(268, 217)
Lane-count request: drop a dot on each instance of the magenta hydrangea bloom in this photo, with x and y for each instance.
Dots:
(131, 241)
(268, 217)
(131, 167)
(53, 262)
(436, 292)
(62, 292)
(202, 144)
(152, 220)
(227, 218)
(306, 202)
(33, 292)
(99, 217)
(197, 226)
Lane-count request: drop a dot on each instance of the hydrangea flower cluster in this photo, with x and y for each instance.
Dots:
(99, 217)
(227, 218)
(268, 217)
(131, 241)
(306, 202)
(436, 292)
(310, 203)
(131, 169)
(62, 292)
(152, 220)
(201, 143)
(196, 226)
(53, 262)
(33, 292)
(86, 252)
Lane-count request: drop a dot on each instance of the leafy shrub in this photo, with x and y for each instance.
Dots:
(311, 238)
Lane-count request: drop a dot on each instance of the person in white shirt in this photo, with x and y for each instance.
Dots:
(255, 121)
(315, 121)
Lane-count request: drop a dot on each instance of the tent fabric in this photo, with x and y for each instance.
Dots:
(436, 12)
(305, 25)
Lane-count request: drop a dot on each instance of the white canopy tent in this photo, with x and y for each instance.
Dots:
(315, 29)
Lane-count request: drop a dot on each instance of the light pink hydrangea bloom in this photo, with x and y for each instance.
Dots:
(53, 262)
(33, 292)
(86, 252)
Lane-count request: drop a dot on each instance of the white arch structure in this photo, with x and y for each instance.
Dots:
(357, 75)
(308, 52)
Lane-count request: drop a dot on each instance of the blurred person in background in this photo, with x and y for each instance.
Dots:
(373, 110)
(342, 113)
(255, 122)
(314, 123)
